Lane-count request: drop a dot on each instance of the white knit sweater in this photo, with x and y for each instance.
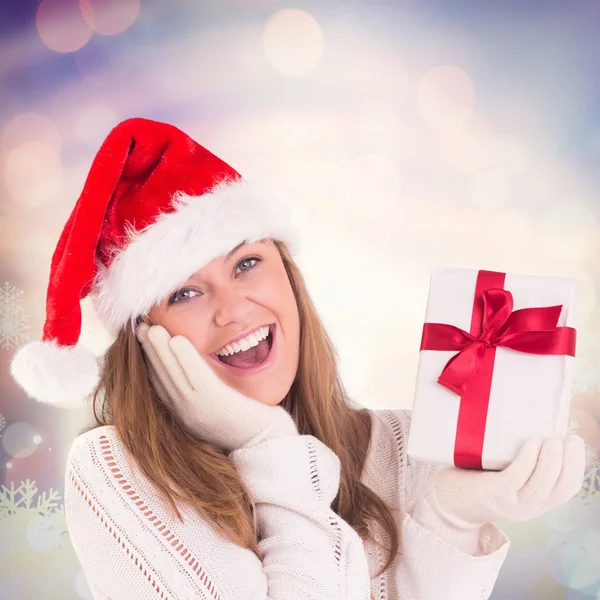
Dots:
(132, 548)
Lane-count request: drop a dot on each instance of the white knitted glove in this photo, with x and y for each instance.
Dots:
(207, 406)
(543, 475)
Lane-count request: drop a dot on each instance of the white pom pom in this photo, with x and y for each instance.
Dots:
(57, 375)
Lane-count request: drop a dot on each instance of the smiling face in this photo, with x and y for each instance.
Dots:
(231, 297)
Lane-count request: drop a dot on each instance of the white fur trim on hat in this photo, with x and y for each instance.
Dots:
(52, 374)
(160, 258)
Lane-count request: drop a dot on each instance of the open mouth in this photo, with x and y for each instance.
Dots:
(255, 358)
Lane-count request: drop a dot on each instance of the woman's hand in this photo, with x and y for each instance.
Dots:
(208, 407)
(544, 475)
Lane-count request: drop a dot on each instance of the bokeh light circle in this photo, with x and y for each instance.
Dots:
(61, 25)
(44, 533)
(17, 439)
(445, 96)
(33, 173)
(30, 127)
(110, 17)
(571, 559)
(293, 42)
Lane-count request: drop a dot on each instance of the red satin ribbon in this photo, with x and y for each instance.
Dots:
(469, 372)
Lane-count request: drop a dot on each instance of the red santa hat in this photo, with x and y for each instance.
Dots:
(155, 208)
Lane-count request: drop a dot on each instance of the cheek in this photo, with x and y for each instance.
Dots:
(191, 325)
(277, 295)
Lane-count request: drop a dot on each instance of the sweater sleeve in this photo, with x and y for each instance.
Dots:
(435, 565)
(309, 551)
(131, 545)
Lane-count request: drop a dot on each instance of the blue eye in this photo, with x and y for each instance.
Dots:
(175, 298)
(248, 260)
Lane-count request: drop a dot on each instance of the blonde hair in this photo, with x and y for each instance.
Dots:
(190, 470)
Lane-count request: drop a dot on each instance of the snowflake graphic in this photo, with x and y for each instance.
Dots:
(20, 498)
(590, 455)
(14, 324)
(33, 530)
(591, 480)
(2, 422)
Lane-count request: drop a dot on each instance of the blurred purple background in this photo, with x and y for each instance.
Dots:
(407, 135)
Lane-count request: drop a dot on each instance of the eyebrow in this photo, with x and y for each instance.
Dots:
(232, 252)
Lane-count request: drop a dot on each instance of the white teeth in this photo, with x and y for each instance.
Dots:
(251, 340)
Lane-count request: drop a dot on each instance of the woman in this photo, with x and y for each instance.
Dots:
(227, 461)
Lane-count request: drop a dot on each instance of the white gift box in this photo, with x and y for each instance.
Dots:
(530, 394)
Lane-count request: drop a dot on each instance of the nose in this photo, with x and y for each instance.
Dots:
(231, 305)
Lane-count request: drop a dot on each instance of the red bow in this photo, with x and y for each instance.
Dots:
(531, 330)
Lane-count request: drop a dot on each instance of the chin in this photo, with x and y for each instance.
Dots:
(269, 400)
(270, 397)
